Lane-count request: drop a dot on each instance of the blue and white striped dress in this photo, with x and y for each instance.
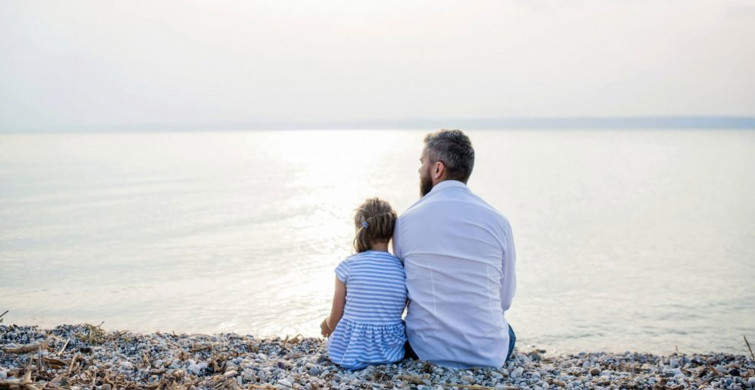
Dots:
(371, 330)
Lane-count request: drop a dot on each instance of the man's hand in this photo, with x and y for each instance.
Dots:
(325, 328)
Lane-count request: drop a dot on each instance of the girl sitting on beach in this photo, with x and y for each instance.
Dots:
(365, 324)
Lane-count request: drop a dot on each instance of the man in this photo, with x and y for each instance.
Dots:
(458, 253)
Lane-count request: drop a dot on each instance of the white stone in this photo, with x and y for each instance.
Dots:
(673, 372)
(517, 372)
(194, 369)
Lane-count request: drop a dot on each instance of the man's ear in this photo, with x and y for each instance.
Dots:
(438, 171)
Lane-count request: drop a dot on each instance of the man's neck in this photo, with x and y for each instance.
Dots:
(447, 181)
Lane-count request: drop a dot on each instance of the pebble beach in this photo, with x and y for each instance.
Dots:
(89, 357)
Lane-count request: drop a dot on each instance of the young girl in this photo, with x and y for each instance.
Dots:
(365, 322)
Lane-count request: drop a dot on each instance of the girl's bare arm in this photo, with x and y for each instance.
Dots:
(336, 312)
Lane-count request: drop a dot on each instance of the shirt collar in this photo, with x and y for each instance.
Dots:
(448, 184)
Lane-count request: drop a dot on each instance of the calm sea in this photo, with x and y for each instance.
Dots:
(626, 240)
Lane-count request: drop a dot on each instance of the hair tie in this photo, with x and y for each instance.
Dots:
(365, 224)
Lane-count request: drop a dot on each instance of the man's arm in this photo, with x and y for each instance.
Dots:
(508, 267)
(395, 242)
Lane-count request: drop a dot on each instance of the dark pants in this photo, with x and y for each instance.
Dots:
(410, 354)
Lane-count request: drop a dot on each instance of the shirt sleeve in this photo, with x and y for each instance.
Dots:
(342, 271)
(395, 241)
(508, 281)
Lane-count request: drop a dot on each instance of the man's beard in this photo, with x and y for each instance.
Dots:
(425, 183)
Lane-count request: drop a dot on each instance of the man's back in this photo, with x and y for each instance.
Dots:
(458, 253)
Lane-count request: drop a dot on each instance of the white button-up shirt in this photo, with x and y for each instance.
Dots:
(458, 253)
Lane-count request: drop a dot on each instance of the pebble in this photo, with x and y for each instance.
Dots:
(196, 369)
(559, 383)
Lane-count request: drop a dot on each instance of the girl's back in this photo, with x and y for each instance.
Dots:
(371, 330)
(375, 287)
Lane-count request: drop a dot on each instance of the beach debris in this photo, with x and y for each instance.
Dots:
(25, 348)
(92, 334)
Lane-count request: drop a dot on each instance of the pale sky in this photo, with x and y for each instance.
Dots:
(92, 63)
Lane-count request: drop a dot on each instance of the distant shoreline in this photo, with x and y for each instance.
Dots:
(513, 123)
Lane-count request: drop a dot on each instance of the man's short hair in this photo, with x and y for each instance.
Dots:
(454, 149)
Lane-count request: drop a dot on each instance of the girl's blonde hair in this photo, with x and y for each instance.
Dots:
(374, 220)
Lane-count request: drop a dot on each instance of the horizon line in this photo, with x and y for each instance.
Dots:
(505, 123)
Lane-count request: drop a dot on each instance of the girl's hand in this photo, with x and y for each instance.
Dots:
(325, 329)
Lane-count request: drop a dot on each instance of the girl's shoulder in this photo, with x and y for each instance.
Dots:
(374, 255)
(373, 259)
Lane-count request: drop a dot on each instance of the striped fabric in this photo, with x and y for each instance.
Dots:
(371, 330)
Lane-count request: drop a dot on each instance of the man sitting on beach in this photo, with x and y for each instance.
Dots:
(458, 253)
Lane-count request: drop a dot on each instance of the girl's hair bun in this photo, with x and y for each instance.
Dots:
(375, 220)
